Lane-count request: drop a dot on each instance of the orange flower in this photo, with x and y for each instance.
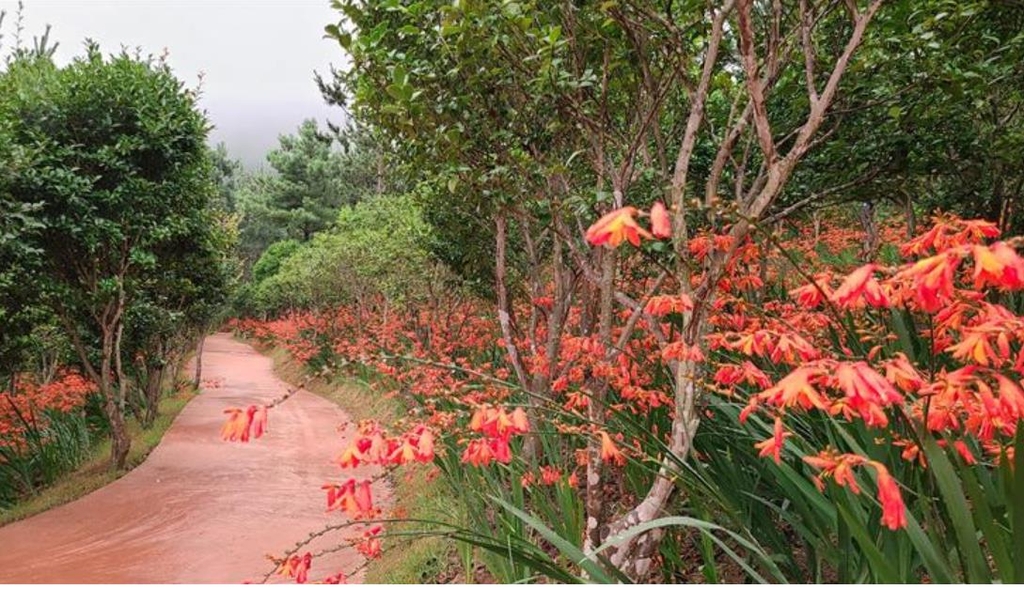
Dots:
(839, 467)
(370, 546)
(336, 579)
(403, 453)
(998, 265)
(363, 500)
(731, 374)
(478, 453)
(302, 568)
(753, 344)
(661, 225)
(355, 499)
(791, 347)
(662, 305)
(933, 280)
(974, 347)
(609, 453)
(244, 424)
(296, 567)
(576, 400)
(351, 457)
(866, 391)
(425, 446)
(549, 475)
(615, 227)
(899, 372)
(287, 566)
(519, 422)
(236, 428)
(795, 389)
(894, 514)
(259, 420)
(1011, 396)
(495, 422)
(682, 351)
(964, 452)
(811, 296)
(860, 284)
(500, 450)
(773, 445)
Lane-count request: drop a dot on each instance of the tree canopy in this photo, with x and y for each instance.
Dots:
(110, 159)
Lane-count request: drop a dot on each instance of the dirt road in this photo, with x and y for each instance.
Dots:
(199, 510)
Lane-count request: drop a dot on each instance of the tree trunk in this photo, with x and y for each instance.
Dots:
(153, 387)
(596, 527)
(120, 443)
(122, 382)
(869, 248)
(199, 361)
(908, 209)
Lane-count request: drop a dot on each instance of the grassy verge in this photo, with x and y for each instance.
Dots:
(95, 470)
(416, 493)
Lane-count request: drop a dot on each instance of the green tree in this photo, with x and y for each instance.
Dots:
(376, 253)
(313, 174)
(538, 117)
(114, 152)
(226, 174)
(932, 120)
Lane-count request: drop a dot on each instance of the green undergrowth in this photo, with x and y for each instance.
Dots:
(416, 494)
(95, 472)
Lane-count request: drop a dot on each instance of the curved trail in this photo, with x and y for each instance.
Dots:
(200, 510)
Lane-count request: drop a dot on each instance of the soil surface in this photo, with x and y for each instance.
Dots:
(200, 510)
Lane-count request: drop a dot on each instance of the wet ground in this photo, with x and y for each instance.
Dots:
(200, 510)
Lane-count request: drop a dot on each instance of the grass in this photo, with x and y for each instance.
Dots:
(415, 493)
(95, 471)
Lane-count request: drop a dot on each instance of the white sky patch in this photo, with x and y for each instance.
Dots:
(257, 56)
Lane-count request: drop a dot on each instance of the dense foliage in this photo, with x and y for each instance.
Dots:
(604, 257)
(114, 260)
(670, 369)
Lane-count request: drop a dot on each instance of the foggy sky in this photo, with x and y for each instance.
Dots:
(258, 56)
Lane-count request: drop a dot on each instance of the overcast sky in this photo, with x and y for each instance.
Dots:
(258, 56)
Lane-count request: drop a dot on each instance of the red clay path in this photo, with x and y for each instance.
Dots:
(200, 510)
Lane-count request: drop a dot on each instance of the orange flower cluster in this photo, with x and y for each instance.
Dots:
(296, 567)
(978, 394)
(610, 453)
(244, 424)
(354, 498)
(620, 225)
(773, 445)
(777, 346)
(370, 545)
(497, 427)
(65, 393)
(373, 446)
(859, 288)
(662, 305)
(729, 375)
(839, 467)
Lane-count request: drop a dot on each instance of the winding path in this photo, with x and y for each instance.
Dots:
(199, 510)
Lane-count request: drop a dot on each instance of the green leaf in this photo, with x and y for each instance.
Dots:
(994, 536)
(567, 548)
(879, 563)
(934, 562)
(1015, 499)
(704, 527)
(959, 511)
